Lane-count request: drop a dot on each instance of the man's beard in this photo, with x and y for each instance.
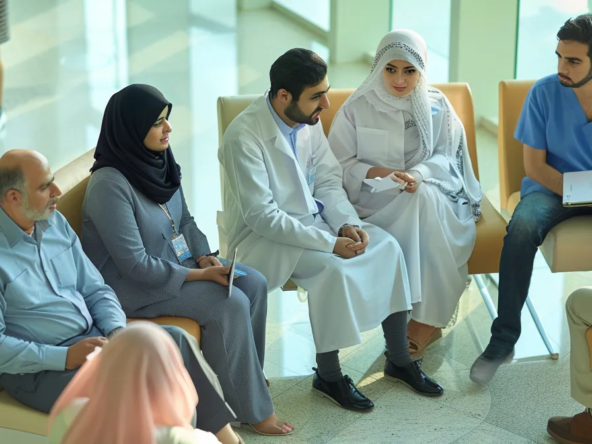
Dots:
(36, 215)
(580, 83)
(295, 114)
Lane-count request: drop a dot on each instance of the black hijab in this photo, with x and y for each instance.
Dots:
(128, 117)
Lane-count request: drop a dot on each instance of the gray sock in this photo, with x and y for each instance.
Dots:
(328, 366)
(395, 333)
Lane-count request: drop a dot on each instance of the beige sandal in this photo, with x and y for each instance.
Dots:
(271, 434)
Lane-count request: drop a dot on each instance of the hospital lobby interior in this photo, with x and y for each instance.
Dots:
(66, 58)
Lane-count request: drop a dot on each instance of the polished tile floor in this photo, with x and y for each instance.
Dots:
(65, 59)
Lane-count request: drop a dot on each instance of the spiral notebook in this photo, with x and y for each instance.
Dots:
(577, 189)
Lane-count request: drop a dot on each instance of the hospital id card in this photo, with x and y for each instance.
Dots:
(181, 248)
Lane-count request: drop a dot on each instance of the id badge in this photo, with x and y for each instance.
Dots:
(181, 248)
(311, 173)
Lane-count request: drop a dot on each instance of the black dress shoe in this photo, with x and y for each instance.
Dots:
(486, 365)
(413, 376)
(343, 393)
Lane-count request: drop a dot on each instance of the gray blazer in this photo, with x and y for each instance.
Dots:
(129, 239)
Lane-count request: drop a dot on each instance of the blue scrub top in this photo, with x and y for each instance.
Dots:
(552, 119)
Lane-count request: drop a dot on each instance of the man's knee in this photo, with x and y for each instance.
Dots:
(532, 217)
(580, 302)
(524, 227)
(38, 391)
(381, 239)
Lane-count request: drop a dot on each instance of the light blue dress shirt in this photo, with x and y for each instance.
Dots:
(553, 120)
(49, 292)
(291, 135)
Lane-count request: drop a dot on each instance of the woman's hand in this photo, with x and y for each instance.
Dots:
(405, 180)
(213, 274)
(411, 187)
(208, 261)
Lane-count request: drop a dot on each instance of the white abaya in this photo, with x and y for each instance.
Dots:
(435, 225)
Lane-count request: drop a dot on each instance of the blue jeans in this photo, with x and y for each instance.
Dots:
(533, 218)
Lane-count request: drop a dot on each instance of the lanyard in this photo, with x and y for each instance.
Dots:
(166, 211)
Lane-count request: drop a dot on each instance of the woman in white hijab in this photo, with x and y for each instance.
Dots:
(395, 125)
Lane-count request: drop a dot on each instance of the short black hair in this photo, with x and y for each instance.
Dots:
(295, 70)
(578, 29)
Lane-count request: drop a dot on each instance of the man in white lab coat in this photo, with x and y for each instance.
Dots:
(286, 211)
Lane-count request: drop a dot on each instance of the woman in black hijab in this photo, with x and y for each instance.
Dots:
(138, 232)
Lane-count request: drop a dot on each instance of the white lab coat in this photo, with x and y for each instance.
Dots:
(269, 208)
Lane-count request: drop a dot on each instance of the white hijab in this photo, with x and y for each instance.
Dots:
(408, 45)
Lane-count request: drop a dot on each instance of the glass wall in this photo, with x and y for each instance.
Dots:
(538, 23)
(315, 11)
(431, 19)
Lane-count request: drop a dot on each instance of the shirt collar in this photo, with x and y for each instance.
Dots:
(14, 233)
(285, 129)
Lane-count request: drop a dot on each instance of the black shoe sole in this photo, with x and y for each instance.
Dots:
(400, 381)
(324, 395)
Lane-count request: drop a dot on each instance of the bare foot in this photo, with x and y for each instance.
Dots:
(273, 426)
(228, 436)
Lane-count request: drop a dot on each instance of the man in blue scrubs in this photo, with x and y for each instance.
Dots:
(556, 130)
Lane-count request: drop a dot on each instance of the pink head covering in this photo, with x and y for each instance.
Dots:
(136, 383)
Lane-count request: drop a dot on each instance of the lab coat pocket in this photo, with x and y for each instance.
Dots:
(20, 293)
(372, 146)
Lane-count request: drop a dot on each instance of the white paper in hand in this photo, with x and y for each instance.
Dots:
(381, 184)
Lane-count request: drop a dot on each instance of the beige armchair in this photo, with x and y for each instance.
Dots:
(491, 227)
(73, 180)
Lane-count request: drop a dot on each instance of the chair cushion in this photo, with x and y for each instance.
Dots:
(189, 325)
(16, 416)
(491, 230)
(568, 246)
(513, 201)
(563, 247)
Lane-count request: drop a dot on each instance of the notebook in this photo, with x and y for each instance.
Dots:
(577, 189)
(231, 274)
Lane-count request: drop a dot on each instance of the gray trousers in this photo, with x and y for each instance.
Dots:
(41, 390)
(233, 337)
